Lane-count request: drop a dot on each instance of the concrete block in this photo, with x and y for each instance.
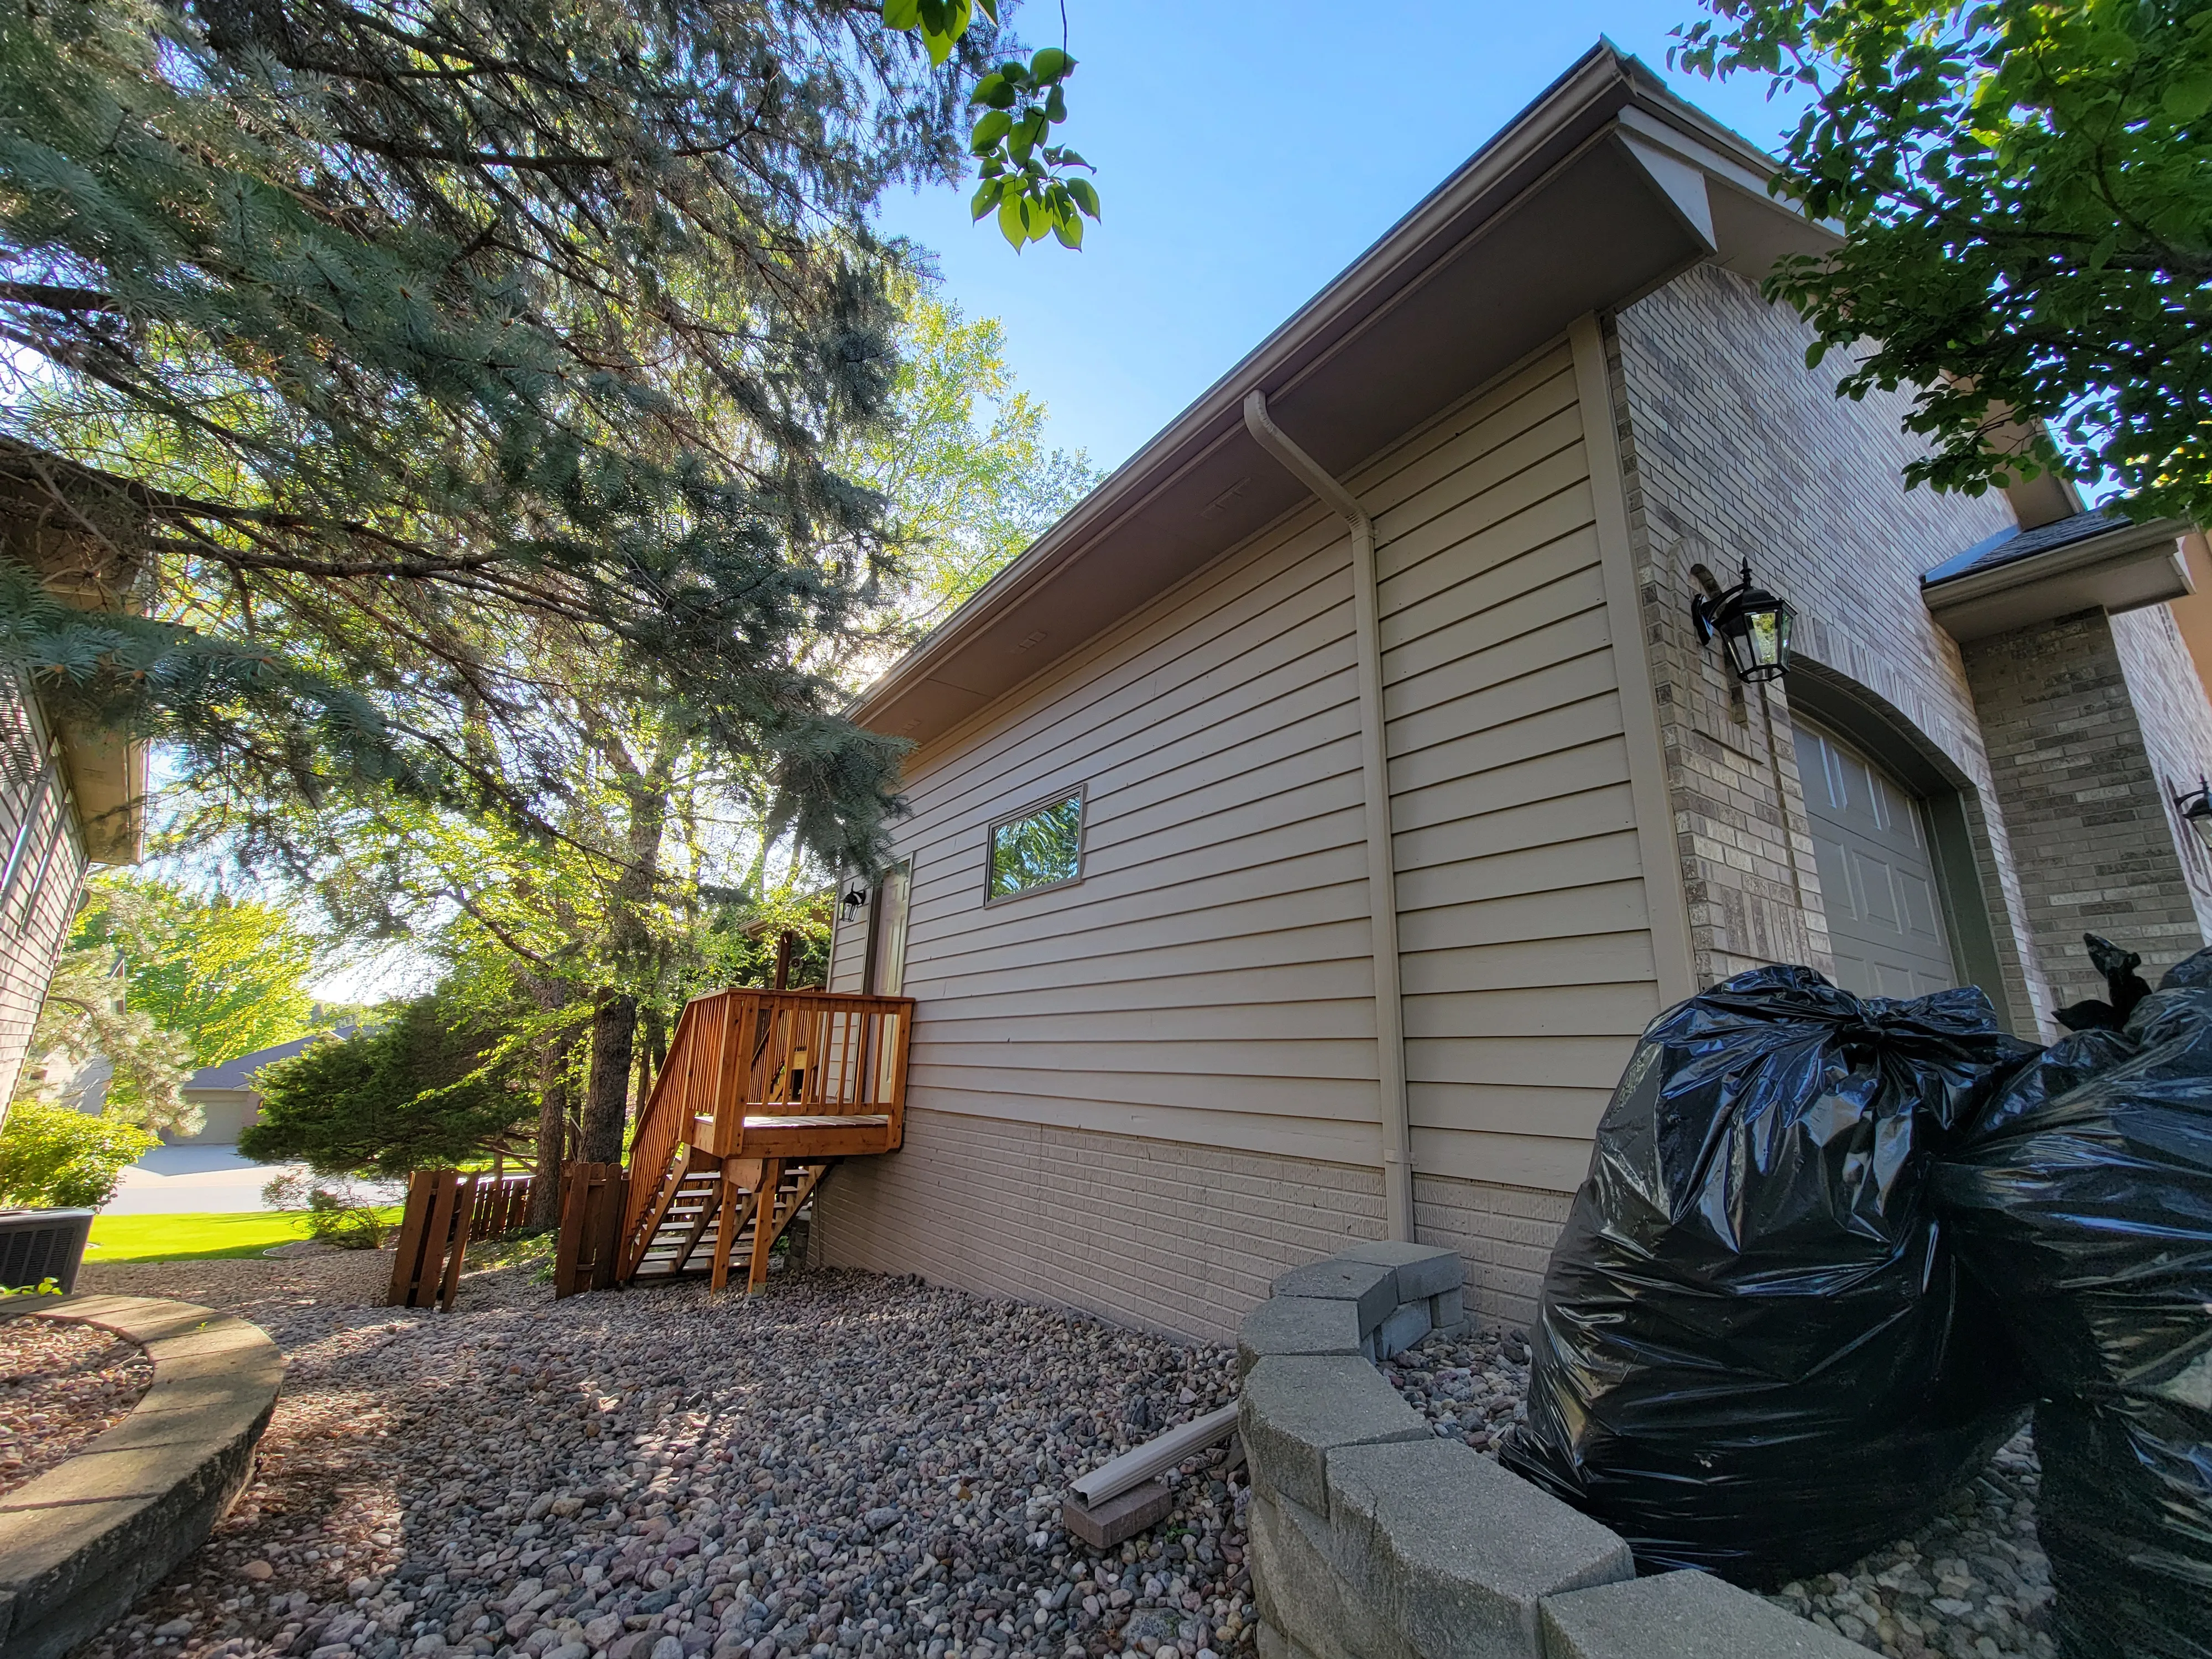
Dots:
(1295, 1410)
(1447, 1311)
(1403, 1328)
(1303, 1595)
(81, 1541)
(1423, 1270)
(1273, 1644)
(1685, 1615)
(1106, 1525)
(1297, 1325)
(1370, 1286)
(1458, 1553)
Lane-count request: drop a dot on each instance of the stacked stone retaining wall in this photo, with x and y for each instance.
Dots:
(1374, 1538)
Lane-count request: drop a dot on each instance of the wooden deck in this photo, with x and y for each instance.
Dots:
(762, 1093)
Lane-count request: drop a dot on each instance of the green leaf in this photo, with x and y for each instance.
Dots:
(984, 198)
(992, 90)
(1070, 231)
(1023, 137)
(1050, 65)
(1055, 104)
(990, 9)
(993, 128)
(902, 14)
(1087, 196)
(2187, 96)
(1013, 219)
(934, 19)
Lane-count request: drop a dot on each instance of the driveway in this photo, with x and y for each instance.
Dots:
(183, 1180)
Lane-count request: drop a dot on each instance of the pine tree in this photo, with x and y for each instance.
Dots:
(350, 342)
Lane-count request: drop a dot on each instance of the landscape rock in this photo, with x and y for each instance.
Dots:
(846, 1463)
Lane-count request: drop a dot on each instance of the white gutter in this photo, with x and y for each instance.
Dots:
(1381, 874)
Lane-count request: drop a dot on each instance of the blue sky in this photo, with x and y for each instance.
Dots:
(1246, 154)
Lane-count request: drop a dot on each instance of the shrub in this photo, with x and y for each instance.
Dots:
(338, 1213)
(54, 1158)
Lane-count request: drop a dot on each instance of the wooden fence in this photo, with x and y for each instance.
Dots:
(589, 1249)
(446, 1209)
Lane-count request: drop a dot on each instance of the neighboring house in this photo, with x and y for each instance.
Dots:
(1259, 891)
(227, 1096)
(70, 795)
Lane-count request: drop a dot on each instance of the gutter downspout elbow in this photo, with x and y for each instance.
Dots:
(1381, 873)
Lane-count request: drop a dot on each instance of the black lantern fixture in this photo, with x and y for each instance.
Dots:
(855, 900)
(1752, 624)
(2195, 810)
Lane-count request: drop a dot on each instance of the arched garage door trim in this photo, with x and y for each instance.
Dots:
(1858, 716)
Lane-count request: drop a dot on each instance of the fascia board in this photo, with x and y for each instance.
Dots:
(1583, 88)
(1605, 97)
(2127, 568)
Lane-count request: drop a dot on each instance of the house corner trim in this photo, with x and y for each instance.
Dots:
(1665, 898)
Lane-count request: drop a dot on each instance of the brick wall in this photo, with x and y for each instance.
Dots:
(1732, 450)
(1158, 1235)
(2176, 718)
(2082, 795)
(1504, 1234)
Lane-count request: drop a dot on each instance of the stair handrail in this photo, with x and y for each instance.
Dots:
(663, 1126)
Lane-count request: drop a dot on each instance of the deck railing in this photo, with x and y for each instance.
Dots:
(744, 1053)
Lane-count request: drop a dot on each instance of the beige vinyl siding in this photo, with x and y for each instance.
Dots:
(848, 942)
(1524, 926)
(1208, 979)
(27, 953)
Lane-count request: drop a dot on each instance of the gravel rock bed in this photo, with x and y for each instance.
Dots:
(1972, 1584)
(845, 1465)
(61, 1386)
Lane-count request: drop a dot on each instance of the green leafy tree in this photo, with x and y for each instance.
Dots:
(1031, 188)
(226, 975)
(55, 1158)
(962, 463)
(87, 1017)
(2025, 192)
(427, 1086)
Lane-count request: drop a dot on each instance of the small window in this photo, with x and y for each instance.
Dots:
(1040, 848)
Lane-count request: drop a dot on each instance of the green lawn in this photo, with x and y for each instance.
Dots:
(194, 1238)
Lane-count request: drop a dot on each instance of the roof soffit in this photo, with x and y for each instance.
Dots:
(2127, 568)
(1604, 189)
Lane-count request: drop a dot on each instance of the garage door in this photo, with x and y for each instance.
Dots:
(1877, 874)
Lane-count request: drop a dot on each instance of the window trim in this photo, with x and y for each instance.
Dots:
(1080, 794)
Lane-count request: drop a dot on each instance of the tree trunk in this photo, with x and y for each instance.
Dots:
(613, 1020)
(552, 1135)
(606, 1097)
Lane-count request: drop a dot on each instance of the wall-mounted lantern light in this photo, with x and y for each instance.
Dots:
(855, 900)
(2196, 809)
(1753, 626)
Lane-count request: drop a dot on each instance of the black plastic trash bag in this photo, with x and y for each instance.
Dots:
(2083, 1202)
(1753, 1356)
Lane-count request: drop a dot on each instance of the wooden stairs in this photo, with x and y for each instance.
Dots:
(763, 1093)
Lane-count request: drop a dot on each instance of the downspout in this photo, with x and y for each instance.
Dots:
(1382, 875)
